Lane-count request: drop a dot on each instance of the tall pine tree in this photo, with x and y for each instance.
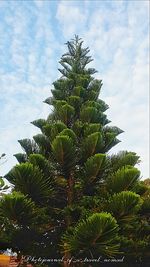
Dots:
(71, 198)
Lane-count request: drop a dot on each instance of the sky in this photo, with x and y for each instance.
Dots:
(32, 38)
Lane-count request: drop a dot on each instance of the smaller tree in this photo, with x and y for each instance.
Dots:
(3, 186)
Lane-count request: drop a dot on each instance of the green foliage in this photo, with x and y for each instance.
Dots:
(78, 91)
(30, 180)
(28, 146)
(43, 164)
(93, 166)
(92, 144)
(78, 128)
(64, 152)
(123, 158)
(124, 205)
(76, 60)
(90, 128)
(64, 112)
(145, 209)
(123, 179)
(74, 101)
(98, 233)
(22, 158)
(62, 89)
(39, 123)
(92, 114)
(1, 182)
(112, 129)
(88, 114)
(110, 141)
(19, 209)
(42, 141)
(52, 130)
(70, 133)
(91, 203)
(140, 188)
(94, 87)
(3, 185)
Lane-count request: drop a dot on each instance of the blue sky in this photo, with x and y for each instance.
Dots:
(32, 37)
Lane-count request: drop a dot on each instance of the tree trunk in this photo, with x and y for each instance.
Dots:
(70, 189)
(70, 197)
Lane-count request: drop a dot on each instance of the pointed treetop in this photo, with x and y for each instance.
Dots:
(76, 59)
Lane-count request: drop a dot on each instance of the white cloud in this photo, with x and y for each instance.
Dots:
(24, 87)
(21, 109)
(39, 3)
(72, 18)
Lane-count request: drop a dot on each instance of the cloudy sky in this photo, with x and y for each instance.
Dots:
(32, 37)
